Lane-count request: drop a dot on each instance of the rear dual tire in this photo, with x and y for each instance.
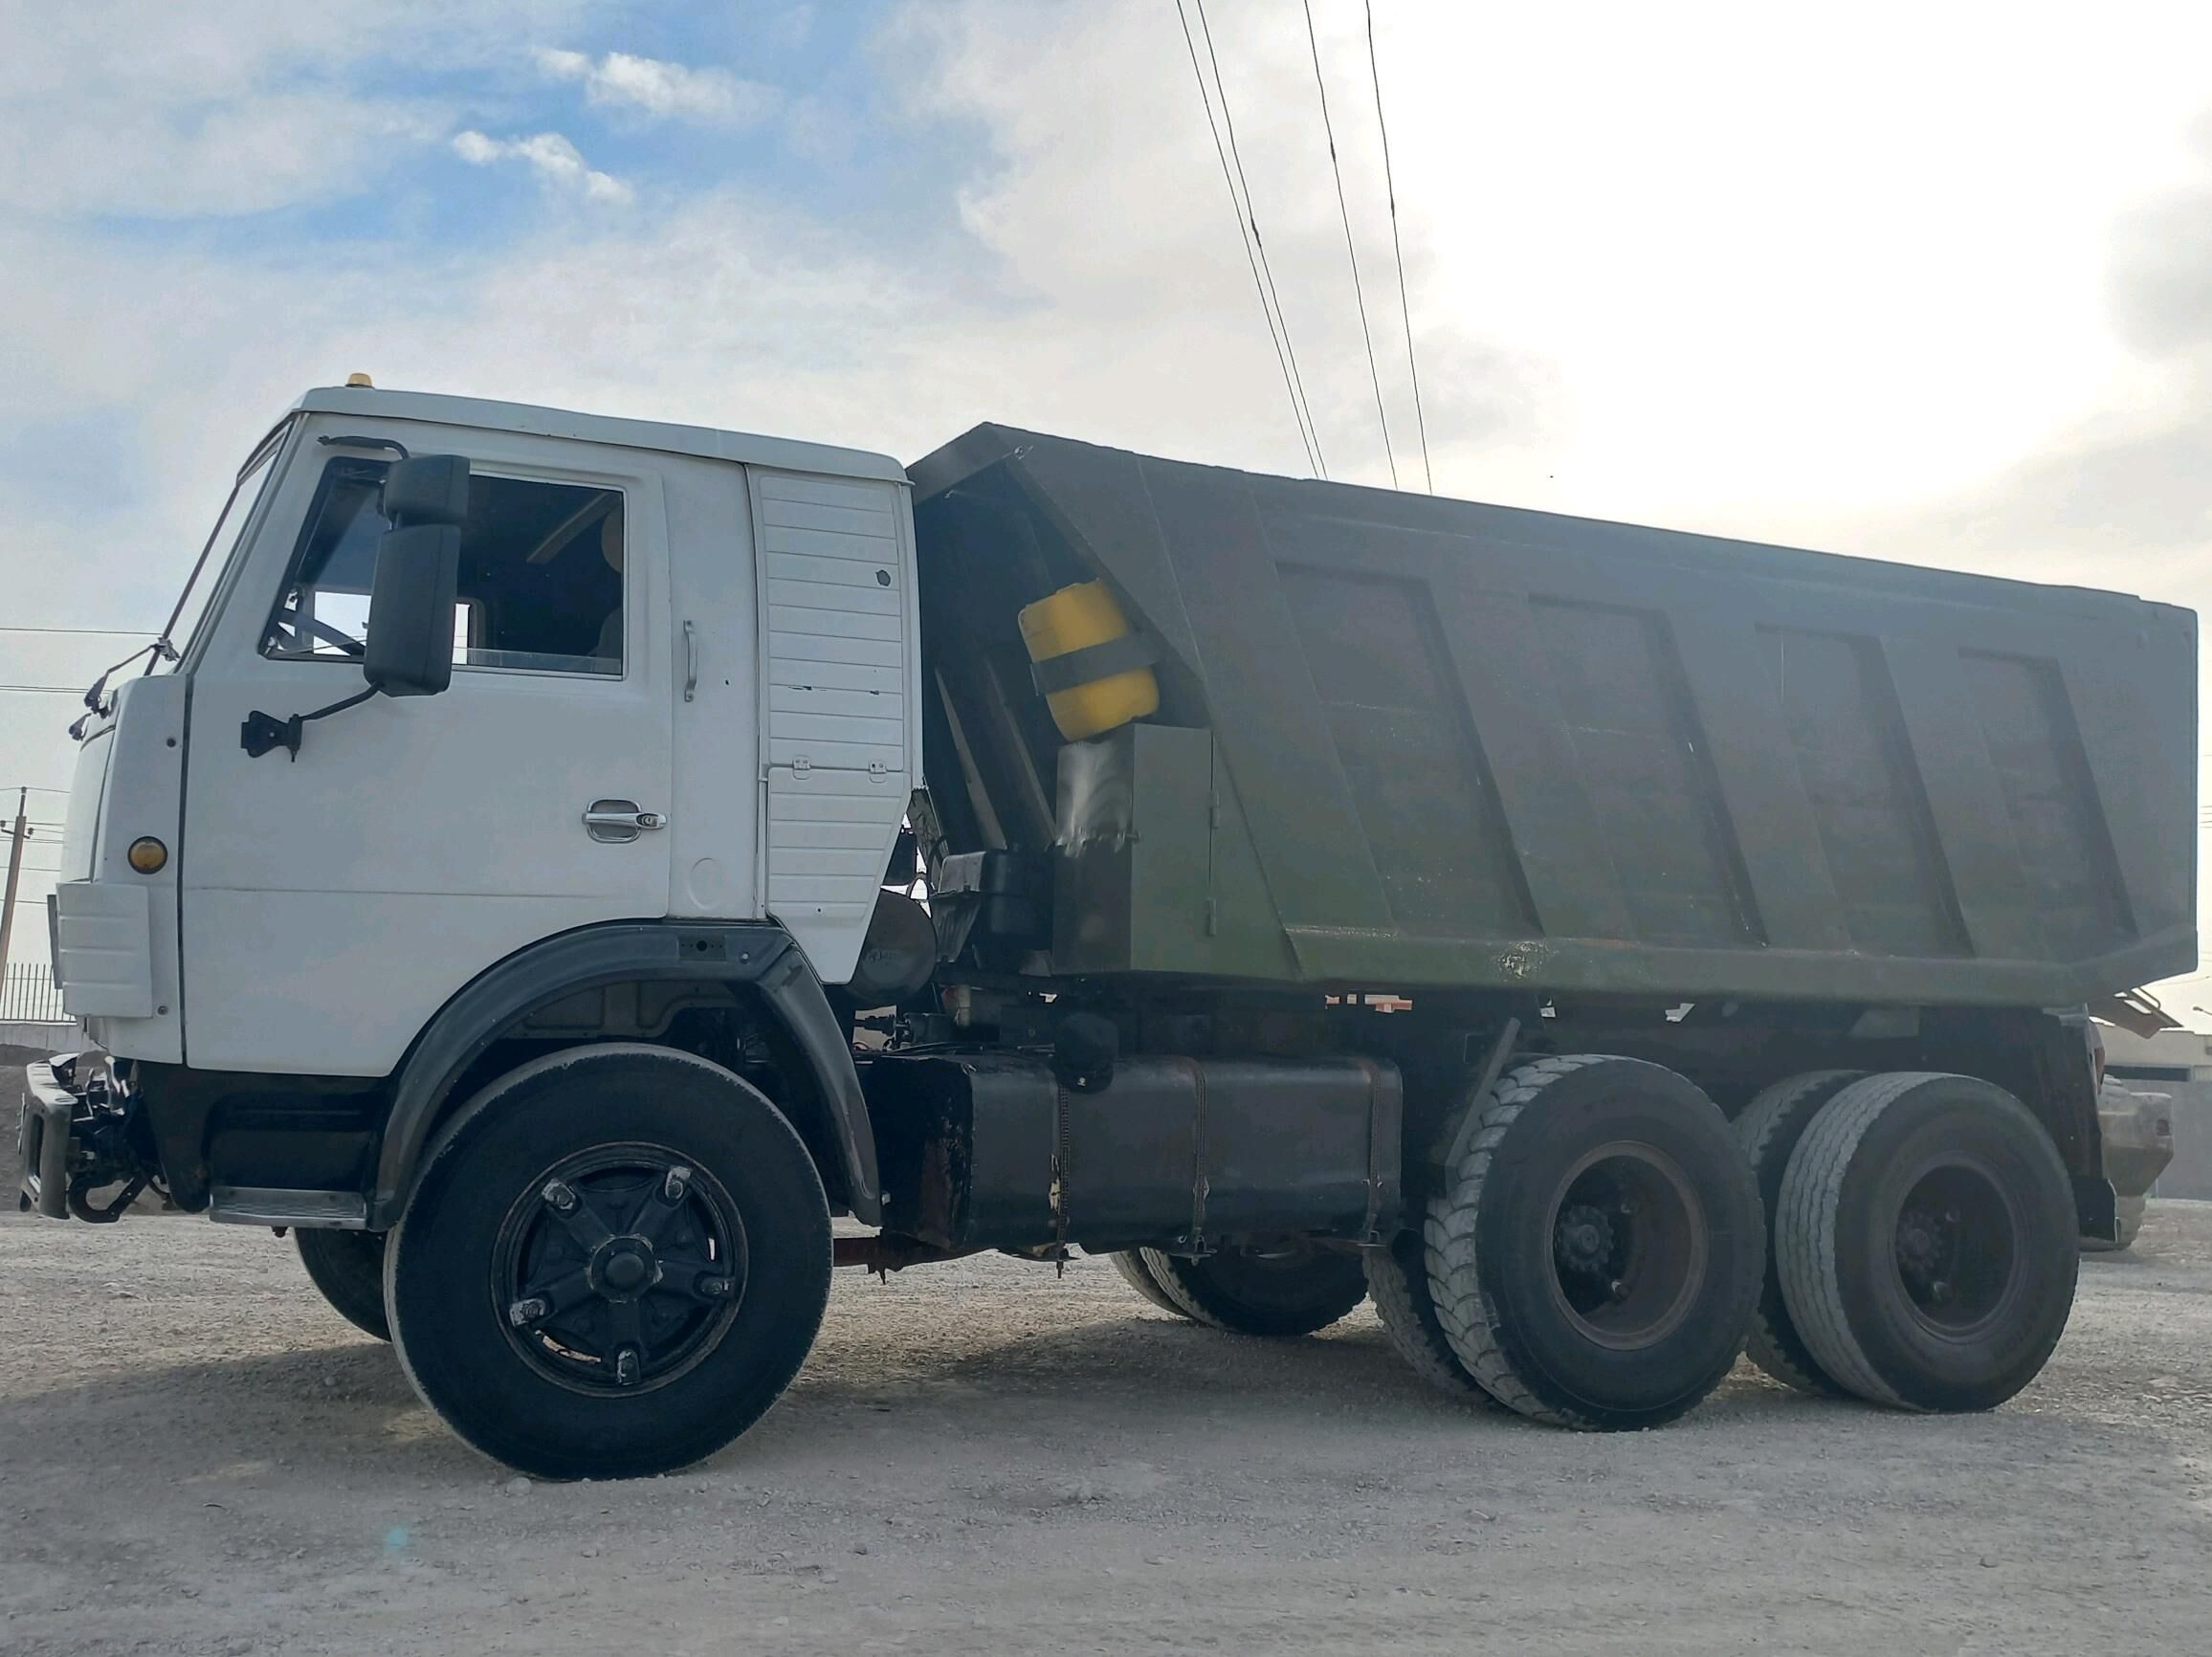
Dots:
(1280, 1293)
(1595, 1255)
(1770, 1128)
(1925, 1242)
(1398, 1283)
(1129, 1263)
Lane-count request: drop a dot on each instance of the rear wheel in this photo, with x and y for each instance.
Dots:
(1770, 1128)
(1129, 1263)
(615, 1260)
(1398, 1283)
(348, 1267)
(1926, 1239)
(1293, 1290)
(1596, 1253)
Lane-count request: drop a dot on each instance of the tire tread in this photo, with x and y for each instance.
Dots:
(1772, 1346)
(1130, 1264)
(1450, 1242)
(1408, 1313)
(1186, 1290)
(1805, 1230)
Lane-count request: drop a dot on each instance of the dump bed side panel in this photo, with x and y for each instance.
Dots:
(1474, 745)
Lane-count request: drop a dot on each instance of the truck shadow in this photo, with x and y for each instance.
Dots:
(1176, 1372)
(346, 1408)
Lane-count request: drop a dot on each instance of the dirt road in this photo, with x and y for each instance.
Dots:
(197, 1457)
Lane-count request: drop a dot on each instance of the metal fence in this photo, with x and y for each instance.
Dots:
(28, 995)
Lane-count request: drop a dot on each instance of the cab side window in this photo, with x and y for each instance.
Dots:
(541, 574)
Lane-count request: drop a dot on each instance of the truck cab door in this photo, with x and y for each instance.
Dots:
(332, 900)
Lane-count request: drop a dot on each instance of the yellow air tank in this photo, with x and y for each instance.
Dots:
(1095, 674)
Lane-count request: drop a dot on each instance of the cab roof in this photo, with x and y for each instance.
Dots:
(705, 441)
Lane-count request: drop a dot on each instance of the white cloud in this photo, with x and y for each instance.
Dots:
(654, 86)
(141, 108)
(557, 163)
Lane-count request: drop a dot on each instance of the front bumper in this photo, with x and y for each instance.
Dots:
(74, 1133)
(42, 1141)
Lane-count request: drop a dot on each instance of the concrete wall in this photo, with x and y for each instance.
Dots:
(41, 1039)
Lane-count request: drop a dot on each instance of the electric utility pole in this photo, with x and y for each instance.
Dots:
(14, 873)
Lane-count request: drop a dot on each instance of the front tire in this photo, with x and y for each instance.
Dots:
(615, 1260)
(1926, 1238)
(1249, 1291)
(348, 1267)
(1596, 1253)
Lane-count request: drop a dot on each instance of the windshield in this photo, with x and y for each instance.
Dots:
(221, 542)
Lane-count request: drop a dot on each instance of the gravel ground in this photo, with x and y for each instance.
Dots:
(196, 1456)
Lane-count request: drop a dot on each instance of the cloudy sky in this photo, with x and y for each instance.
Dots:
(1926, 282)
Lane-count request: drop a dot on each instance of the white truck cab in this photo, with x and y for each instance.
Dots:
(520, 798)
(684, 684)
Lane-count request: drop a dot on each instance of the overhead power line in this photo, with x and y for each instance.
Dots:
(1398, 253)
(1248, 234)
(1259, 247)
(1374, 374)
(87, 632)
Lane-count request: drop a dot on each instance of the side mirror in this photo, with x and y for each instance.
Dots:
(410, 648)
(428, 489)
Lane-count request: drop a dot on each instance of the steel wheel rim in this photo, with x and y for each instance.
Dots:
(1956, 1247)
(1629, 1245)
(619, 1268)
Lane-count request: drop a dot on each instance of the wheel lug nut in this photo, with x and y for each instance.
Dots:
(626, 1367)
(559, 1195)
(526, 1312)
(717, 1288)
(1618, 1290)
(673, 1187)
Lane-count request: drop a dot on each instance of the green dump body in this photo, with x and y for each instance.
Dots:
(1408, 742)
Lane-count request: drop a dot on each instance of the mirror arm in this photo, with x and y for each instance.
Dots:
(265, 732)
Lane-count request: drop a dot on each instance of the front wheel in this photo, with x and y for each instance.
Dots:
(348, 1267)
(615, 1260)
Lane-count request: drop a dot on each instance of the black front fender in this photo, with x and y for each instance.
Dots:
(750, 953)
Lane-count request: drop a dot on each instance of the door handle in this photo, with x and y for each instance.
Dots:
(691, 662)
(620, 820)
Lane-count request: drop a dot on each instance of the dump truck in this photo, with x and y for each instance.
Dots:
(557, 865)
